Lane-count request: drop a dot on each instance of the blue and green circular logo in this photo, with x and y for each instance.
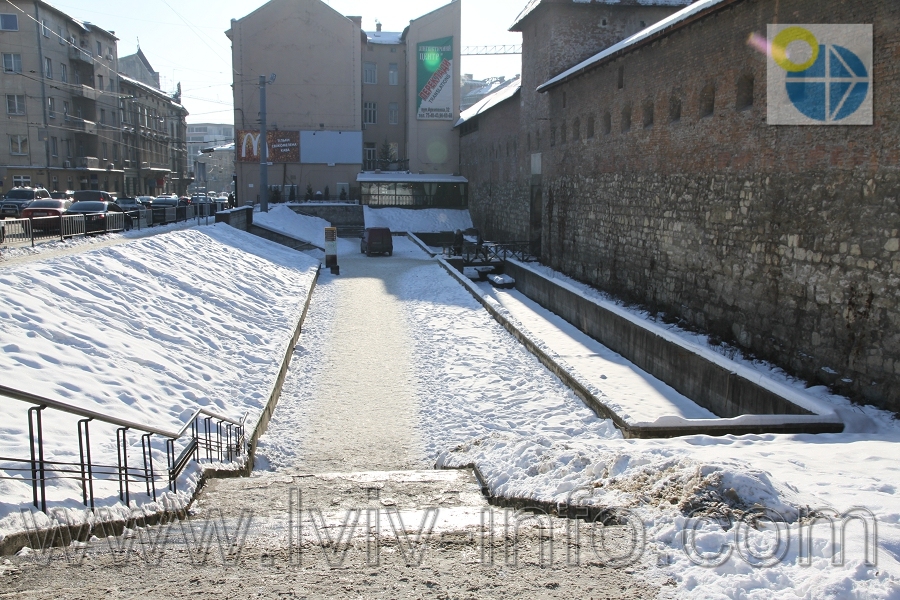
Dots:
(830, 85)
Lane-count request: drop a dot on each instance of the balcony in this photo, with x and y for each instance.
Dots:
(87, 162)
(86, 126)
(85, 92)
(82, 55)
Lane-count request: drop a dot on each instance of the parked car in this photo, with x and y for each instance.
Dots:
(132, 205)
(163, 202)
(92, 195)
(67, 195)
(96, 215)
(40, 209)
(18, 198)
(376, 240)
(147, 201)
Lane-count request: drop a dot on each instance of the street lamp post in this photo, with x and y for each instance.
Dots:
(263, 149)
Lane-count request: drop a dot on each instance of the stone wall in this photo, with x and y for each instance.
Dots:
(783, 240)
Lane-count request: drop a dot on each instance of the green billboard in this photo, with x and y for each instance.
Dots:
(435, 80)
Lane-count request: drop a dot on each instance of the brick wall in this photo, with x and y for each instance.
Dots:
(782, 239)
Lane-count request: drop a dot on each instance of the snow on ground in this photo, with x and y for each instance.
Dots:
(484, 400)
(632, 393)
(310, 229)
(419, 220)
(148, 331)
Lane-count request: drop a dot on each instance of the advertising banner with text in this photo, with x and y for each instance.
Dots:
(284, 146)
(435, 80)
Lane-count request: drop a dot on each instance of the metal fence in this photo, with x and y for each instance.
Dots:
(36, 230)
(204, 437)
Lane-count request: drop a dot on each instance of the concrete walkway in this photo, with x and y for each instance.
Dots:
(364, 414)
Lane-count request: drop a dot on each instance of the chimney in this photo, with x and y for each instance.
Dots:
(377, 26)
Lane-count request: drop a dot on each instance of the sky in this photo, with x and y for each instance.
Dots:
(185, 40)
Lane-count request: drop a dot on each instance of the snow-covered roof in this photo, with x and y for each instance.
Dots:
(149, 88)
(406, 177)
(688, 14)
(489, 102)
(533, 4)
(384, 37)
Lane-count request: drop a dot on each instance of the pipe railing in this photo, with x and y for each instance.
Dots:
(222, 438)
(34, 230)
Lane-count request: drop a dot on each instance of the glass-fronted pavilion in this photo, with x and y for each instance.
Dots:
(411, 190)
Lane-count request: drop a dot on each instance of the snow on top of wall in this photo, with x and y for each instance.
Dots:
(659, 27)
(489, 102)
(533, 4)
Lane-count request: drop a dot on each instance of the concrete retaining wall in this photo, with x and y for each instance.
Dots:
(339, 215)
(281, 238)
(239, 218)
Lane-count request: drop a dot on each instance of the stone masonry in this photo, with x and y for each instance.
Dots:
(663, 184)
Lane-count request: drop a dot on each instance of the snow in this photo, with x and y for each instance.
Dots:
(149, 331)
(421, 220)
(628, 391)
(210, 310)
(672, 20)
(488, 102)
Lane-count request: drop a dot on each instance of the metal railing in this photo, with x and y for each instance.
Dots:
(34, 230)
(490, 251)
(217, 437)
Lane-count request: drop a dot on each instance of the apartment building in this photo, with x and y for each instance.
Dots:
(61, 86)
(345, 100)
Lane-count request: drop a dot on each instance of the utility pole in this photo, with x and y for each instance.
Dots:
(263, 147)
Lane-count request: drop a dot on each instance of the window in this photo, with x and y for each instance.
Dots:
(48, 68)
(9, 22)
(562, 133)
(744, 98)
(65, 110)
(59, 36)
(393, 74)
(393, 113)
(51, 107)
(370, 73)
(369, 113)
(103, 116)
(626, 118)
(604, 22)
(18, 144)
(77, 78)
(21, 180)
(707, 101)
(100, 82)
(44, 29)
(369, 156)
(103, 154)
(15, 104)
(64, 73)
(648, 114)
(12, 63)
(576, 130)
(621, 78)
(116, 152)
(99, 49)
(590, 128)
(68, 144)
(54, 146)
(607, 123)
(674, 109)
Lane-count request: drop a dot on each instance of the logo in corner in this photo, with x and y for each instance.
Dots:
(819, 75)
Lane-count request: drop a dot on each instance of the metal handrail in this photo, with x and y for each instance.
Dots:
(90, 414)
(228, 433)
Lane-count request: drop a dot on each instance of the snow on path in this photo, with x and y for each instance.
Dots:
(618, 381)
(349, 402)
